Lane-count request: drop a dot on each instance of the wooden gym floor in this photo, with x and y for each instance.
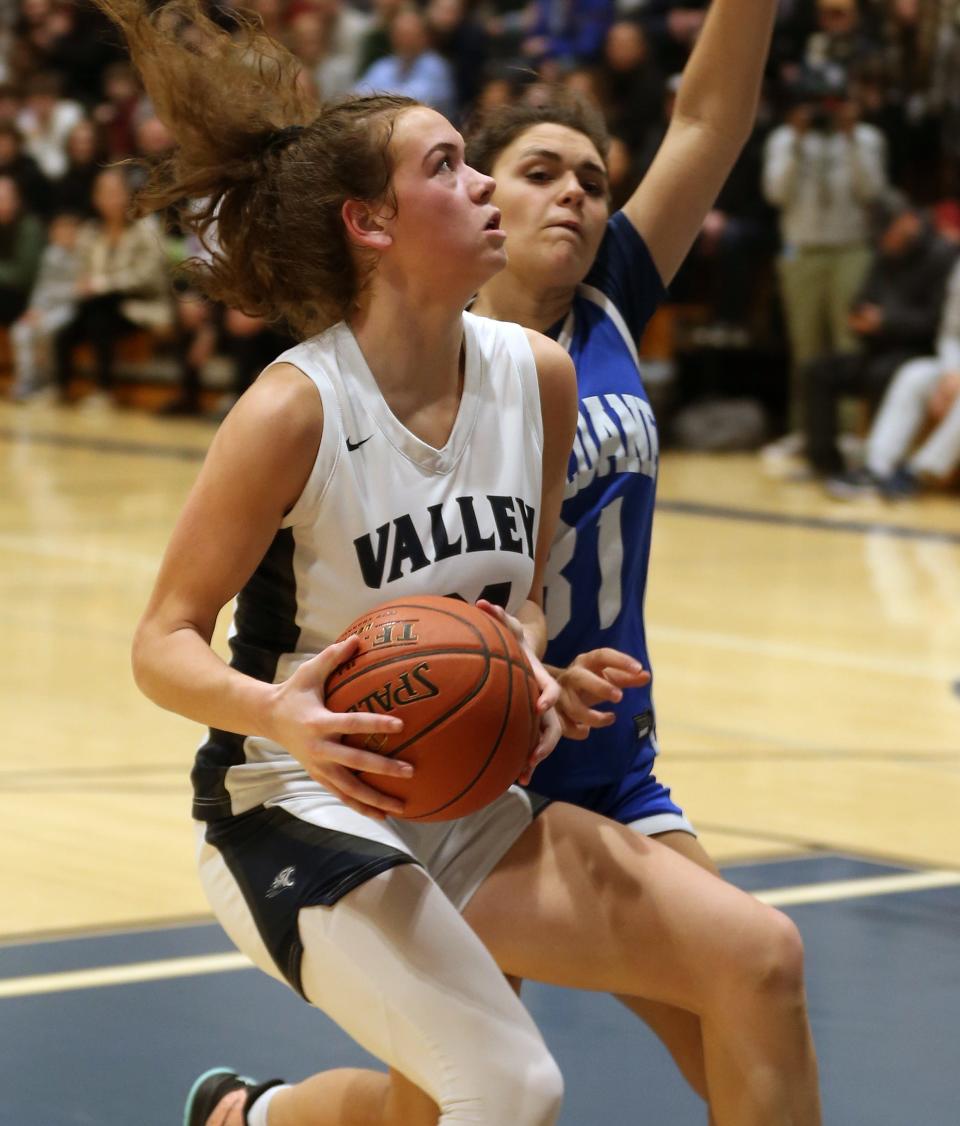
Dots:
(807, 657)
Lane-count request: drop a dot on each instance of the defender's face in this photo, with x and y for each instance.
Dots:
(552, 191)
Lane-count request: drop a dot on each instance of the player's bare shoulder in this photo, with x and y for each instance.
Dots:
(275, 426)
(288, 397)
(558, 379)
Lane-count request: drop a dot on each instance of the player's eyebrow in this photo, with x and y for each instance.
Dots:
(447, 147)
(549, 154)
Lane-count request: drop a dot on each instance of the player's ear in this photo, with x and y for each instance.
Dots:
(365, 226)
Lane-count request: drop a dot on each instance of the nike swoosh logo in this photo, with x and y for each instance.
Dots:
(351, 446)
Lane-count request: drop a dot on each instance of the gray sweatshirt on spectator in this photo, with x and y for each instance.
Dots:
(823, 183)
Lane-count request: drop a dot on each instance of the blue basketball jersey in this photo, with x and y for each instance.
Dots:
(598, 564)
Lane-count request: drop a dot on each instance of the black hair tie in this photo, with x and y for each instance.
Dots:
(280, 138)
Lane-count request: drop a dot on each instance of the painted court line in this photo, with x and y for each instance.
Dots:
(833, 890)
(940, 673)
(811, 523)
(131, 974)
(162, 969)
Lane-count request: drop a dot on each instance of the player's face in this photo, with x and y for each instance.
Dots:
(445, 229)
(552, 192)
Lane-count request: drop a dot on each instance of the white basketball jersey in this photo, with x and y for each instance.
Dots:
(383, 515)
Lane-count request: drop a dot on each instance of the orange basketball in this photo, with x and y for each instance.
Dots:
(465, 692)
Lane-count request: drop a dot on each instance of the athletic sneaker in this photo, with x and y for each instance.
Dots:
(212, 1086)
(900, 485)
(854, 485)
(788, 446)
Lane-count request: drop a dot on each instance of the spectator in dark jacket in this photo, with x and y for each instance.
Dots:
(673, 27)
(895, 317)
(22, 168)
(73, 192)
(632, 82)
(21, 246)
(461, 39)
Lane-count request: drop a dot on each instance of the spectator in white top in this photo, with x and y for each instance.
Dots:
(923, 399)
(823, 168)
(46, 122)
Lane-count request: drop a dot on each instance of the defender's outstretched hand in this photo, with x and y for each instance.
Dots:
(594, 678)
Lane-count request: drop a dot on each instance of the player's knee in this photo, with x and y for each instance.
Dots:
(777, 964)
(532, 1083)
(522, 1085)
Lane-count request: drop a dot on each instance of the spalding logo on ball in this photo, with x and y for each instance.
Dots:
(465, 692)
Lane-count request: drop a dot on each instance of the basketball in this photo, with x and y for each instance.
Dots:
(465, 692)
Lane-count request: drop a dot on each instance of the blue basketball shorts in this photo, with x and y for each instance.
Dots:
(637, 799)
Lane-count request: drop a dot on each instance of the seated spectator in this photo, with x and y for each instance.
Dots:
(10, 104)
(36, 26)
(271, 13)
(22, 168)
(823, 168)
(85, 158)
(328, 35)
(21, 245)
(460, 38)
(6, 44)
(154, 142)
(414, 68)
(375, 44)
(196, 338)
(123, 284)
(308, 41)
(632, 81)
(673, 28)
(735, 247)
(655, 130)
(895, 318)
(74, 40)
(52, 304)
(198, 323)
(923, 399)
(622, 178)
(570, 33)
(46, 121)
(251, 343)
(118, 112)
(840, 43)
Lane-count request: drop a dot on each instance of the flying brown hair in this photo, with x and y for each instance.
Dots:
(258, 171)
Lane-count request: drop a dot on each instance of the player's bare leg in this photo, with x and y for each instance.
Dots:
(678, 1029)
(354, 1098)
(660, 927)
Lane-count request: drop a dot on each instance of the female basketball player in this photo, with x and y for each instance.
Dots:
(592, 282)
(366, 218)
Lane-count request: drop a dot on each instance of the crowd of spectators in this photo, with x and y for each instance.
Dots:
(823, 266)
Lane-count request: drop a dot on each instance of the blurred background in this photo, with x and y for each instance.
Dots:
(804, 600)
(824, 267)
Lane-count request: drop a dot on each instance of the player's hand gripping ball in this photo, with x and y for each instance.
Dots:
(465, 692)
